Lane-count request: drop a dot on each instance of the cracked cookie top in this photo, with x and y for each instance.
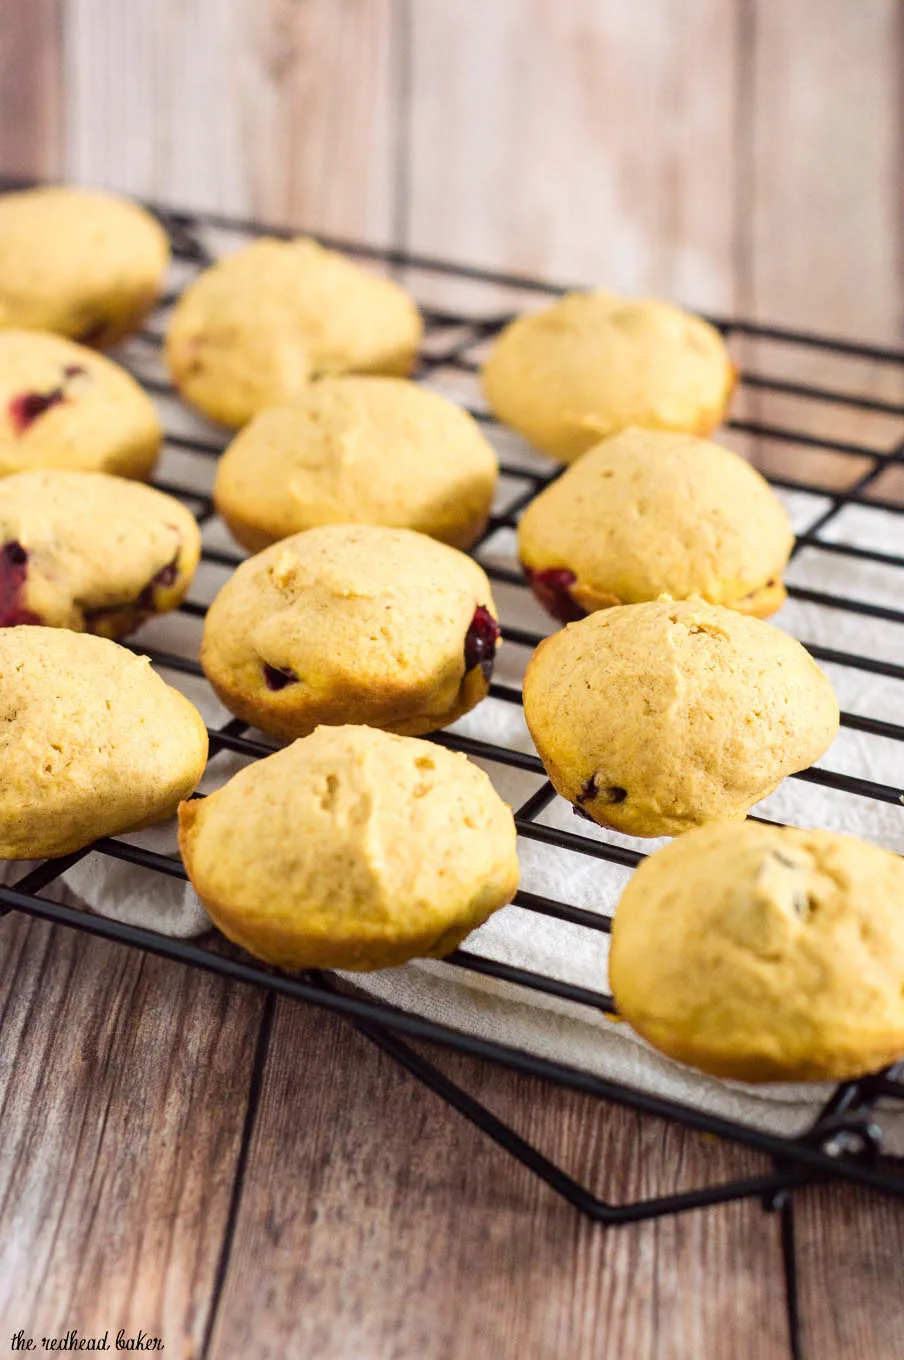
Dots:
(765, 953)
(351, 848)
(93, 743)
(655, 718)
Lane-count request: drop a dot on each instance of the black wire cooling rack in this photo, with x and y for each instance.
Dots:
(845, 1142)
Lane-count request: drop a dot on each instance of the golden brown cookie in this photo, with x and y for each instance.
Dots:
(89, 552)
(355, 624)
(253, 329)
(594, 364)
(649, 513)
(64, 406)
(84, 264)
(655, 718)
(94, 742)
(765, 953)
(352, 849)
(358, 451)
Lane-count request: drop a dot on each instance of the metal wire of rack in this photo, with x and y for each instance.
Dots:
(845, 1141)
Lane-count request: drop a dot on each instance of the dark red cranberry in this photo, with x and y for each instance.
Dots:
(592, 792)
(128, 614)
(278, 677)
(162, 579)
(27, 406)
(166, 576)
(93, 334)
(13, 570)
(553, 589)
(481, 641)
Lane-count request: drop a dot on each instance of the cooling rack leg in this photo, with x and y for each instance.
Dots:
(590, 1205)
(484, 1119)
(784, 1204)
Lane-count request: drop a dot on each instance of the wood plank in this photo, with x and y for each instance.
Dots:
(319, 92)
(123, 1087)
(849, 1250)
(374, 1222)
(821, 203)
(825, 201)
(586, 140)
(582, 140)
(30, 109)
(820, 251)
(151, 101)
(262, 108)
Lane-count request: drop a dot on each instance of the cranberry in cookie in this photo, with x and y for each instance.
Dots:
(649, 513)
(90, 552)
(655, 718)
(65, 406)
(352, 624)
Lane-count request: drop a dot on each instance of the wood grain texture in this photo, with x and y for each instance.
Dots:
(151, 102)
(820, 240)
(849, 1251)
(742, 155)
(824, 198)
(31, 103)
(585, 141)
(272, 108)
(318, 89)
(375, 1224)
(123, 1087)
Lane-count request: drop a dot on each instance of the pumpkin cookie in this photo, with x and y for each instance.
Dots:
(593, 364)
(94, 742)
(358, 451)
(765, 953)
(64, 406)
(654, 718)
(351, 849)
(253, 329)
(649, 513)
(352, 624)
(84, 264)
(89, 552)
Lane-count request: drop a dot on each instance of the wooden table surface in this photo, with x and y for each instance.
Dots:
(249, 1180)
